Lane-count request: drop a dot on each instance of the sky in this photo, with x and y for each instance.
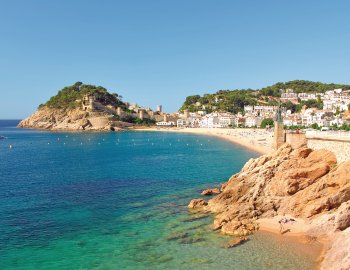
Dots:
(160, 51)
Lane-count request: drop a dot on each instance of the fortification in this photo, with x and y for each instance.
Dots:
(88, 103)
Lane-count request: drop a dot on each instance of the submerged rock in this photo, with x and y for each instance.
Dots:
(236, 242)
(176, 236)
(190, 240)
(210, 191)
(194, 217)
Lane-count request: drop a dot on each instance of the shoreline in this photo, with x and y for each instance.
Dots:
(257, 140)
(297, 233)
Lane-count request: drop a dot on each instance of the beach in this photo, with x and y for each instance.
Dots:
(258, 140)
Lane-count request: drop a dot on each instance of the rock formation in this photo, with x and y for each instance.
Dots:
(81, 107)
(72, 119)
(303, 183)
(210, 191)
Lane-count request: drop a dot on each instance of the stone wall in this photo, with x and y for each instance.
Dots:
(340, 148)
(295, 139)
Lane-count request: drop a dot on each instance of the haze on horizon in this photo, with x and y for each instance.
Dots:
(159, 52)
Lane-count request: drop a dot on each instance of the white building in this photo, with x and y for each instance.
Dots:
(226, 120)
(252, 121)
(181, 122)
(289, 95)
(166, 123)
(217, 120)
(210, 121)
(308, 96)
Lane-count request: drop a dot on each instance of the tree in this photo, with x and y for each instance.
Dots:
(68, 96)
(266, 122)
(314, 126)
(290, 106)
(192, 99)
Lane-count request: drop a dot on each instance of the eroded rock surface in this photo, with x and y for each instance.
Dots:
(71, 119)
(303, 183)
(197, 203)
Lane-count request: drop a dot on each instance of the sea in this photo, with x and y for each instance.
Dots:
(119, 201)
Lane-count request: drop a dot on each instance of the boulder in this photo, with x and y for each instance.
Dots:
(342, 220)
(197, 203)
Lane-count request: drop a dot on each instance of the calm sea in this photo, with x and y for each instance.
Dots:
(118, 201)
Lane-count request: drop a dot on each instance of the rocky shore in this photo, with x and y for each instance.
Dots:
(304, 186)
(72, 120)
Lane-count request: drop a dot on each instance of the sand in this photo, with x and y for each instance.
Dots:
(258, 140)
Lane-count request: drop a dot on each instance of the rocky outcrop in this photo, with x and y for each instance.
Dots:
(72, 120)
(197, 203)
(210, 191)
(303, 183)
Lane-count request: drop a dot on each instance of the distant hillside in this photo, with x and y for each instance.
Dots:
(300, 86)
(234, 100)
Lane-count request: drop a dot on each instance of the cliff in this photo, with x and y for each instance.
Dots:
(71, 120)
(303, 184)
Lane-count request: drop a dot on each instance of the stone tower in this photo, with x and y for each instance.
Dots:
(165, 118)
(141, 114)
(186, 114)
(88, 103)
(159, 108)
(279, 137)
(119, 111)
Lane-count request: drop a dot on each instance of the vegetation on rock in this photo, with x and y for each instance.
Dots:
(70, 96)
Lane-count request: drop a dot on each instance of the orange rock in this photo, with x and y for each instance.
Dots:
(302, 182)
(197, 203)
(210, 191)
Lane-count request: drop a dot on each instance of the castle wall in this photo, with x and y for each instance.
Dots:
(296, 140)
(341, 149)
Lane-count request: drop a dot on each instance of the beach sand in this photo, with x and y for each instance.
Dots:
(258, 140)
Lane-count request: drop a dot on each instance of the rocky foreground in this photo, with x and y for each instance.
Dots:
(300, 183)
(72, 120)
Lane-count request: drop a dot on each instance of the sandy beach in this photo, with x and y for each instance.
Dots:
(258, 140)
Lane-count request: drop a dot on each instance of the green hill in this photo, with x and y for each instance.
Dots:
(68, 96)
(235, 100)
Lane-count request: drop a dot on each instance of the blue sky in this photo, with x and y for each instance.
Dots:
(160, 51)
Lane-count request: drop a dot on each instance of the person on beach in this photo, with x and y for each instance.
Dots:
(284, 221)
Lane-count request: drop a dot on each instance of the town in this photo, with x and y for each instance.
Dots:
(335, 113)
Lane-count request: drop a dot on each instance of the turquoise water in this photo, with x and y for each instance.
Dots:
(118, 201)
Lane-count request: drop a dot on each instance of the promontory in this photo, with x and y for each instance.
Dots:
(84, 107)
